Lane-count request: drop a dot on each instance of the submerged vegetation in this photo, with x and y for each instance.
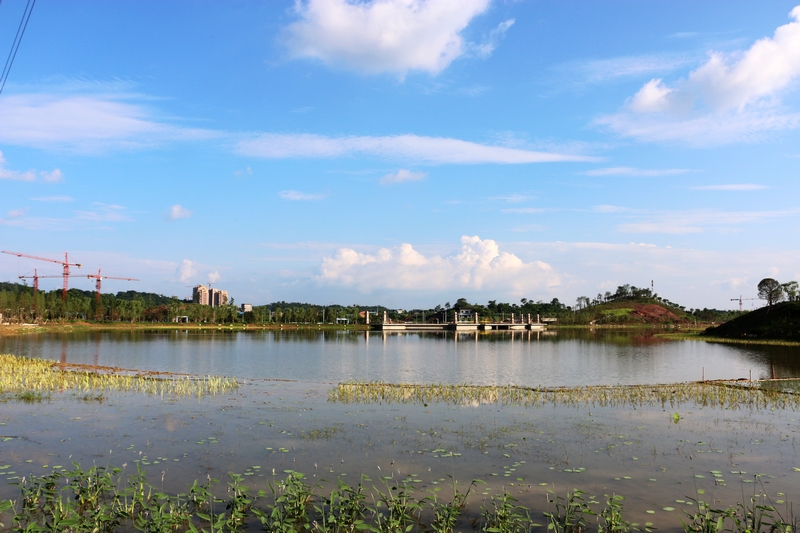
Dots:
(30, 380)
(101, 500)
(708, 394)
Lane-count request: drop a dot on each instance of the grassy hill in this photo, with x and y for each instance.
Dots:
(779, 322)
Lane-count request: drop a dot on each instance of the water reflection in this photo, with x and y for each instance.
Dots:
(549, 358)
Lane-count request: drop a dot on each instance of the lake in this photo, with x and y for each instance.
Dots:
(554, 358)
(658, 456)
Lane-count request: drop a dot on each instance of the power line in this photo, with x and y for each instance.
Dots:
(12, 54)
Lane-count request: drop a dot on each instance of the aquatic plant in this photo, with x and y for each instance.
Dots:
(729, 395)
(32, 379)
(101, 499)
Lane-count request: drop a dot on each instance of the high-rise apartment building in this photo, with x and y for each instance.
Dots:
(208, 296)
(200, 295)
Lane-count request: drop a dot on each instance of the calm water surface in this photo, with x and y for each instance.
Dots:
(554, 358)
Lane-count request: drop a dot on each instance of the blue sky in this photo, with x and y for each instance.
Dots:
(405, 152)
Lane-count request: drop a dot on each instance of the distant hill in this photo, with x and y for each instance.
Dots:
(630, 313)
(779, 322)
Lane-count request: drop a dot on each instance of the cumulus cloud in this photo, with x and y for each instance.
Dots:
(479, 264)
(729, 98)
(85, 123)
(383, 36)
(28, 175)
(186, 270)
(300, 196)
(213, 277)
(431, 150)
(177, 211)
(401, 176)
(631, 171)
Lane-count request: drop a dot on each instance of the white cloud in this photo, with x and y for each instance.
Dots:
(245, 172)
(682, 222)
(431, 150)
(53, 199)
(28, 175)
(512, 198)
(525, 210)
(53, 176)
(401, 176)
(728, 98)
(300, 196)
(730, 187)
(85, 123)
(104, 213)
(478, 265)
(631, 171)
(16, 213)
(186, 270)
(382, 36)
(177, 211)
(579, 74)
(486, 48)
(213, 277)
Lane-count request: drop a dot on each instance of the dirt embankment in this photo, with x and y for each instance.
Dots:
(654, 314)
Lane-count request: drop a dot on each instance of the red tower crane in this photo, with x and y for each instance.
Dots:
(100, 279)
(65, 263)
(36, 277)
(740, 300)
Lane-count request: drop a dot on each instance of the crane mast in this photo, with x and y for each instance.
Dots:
(65, 264)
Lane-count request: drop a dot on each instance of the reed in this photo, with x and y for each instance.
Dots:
(32, 379)
(728, 395)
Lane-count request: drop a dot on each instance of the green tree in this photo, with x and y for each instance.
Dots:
(770, 290)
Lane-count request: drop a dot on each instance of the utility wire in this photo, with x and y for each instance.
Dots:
(12, 54)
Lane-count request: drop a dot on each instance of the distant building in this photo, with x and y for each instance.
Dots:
(207, 296)
(200, 295)
(247, 308)
(217, 297)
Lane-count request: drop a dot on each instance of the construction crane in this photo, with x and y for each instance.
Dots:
(65, 263)
(740, 300)
(99, 283)
(36, 278)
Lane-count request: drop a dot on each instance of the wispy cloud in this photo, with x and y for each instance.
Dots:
(402, 176)
(53, 199)
(578, 74)
(104, 213)
(243, 172)
(87, 123)
(525, 210)
(431, 150)
(699, 221)
(300, 196)
(730, 98)
(730, 187)
(391, 36)
(177, 211)
(631, 171)
(489, 45)
(16, 213)
(513, 198)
